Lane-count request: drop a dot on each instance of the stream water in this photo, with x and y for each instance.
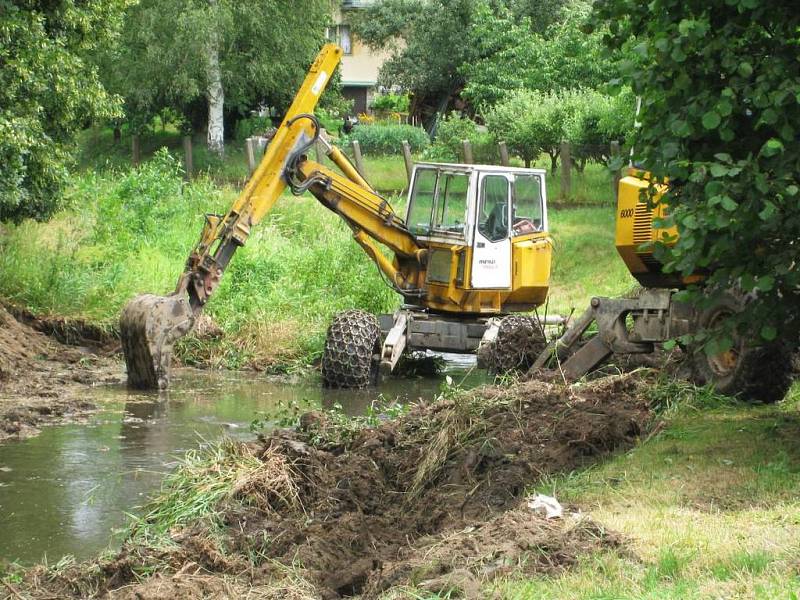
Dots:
(65, 491)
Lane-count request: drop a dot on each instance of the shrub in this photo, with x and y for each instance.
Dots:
(450, 134)
(389, 103)
(251, 126)
(387, 139)
(530, 123)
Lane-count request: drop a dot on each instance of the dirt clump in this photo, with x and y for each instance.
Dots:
(42, 380)
(434, 498)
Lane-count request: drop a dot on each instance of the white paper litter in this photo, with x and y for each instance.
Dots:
(550, 506)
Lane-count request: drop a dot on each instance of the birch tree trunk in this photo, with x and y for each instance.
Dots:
(216, 94)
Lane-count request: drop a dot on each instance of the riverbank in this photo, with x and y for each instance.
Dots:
(44, 382)
(434, 497)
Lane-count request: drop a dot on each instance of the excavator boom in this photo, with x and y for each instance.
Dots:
(150, 325)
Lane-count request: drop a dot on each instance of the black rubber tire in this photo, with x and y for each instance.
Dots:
(520, 340)
(754, 373)
(352, 350)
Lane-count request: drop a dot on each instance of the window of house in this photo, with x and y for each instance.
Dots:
(340, 35)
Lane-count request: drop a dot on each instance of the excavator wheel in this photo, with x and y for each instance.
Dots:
(519, 341)
(352, 351)
(754, 373)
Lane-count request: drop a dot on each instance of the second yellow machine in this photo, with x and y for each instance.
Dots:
(473, 246)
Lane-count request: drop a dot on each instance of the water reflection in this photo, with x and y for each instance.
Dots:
(64, 491)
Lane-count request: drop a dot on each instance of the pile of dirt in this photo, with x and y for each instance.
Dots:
(434, 498)
(41, 379)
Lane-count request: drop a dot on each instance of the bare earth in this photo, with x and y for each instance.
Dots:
(43, 381)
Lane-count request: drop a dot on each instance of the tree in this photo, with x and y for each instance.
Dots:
(48, 91)
(213, 57)
(720, 83)
(428, 45)
(514, 55)
(531, 123)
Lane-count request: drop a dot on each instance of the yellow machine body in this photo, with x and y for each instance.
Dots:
(636, 234)
(489, 251)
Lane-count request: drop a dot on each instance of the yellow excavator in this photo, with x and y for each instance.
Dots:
(473, 246)
(472, 249)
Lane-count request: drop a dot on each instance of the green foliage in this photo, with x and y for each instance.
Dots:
(391, 103)
(251, 126)
(531, 123)
(448, 144)
(534, 122)
(387, 138)
(720, 83)
(593, 120)
(513, 56)
(129, 232)
(161, 61)
(47, 93)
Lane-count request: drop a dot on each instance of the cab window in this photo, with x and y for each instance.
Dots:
(493, 214)
(422, 195)
(527, 206)
(451, 203)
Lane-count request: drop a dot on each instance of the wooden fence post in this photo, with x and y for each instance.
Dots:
(188, 162)
(566, 171)
(249, 144)
(407, 159)
(504, 158)
(135, 150)
(615, 154)
(467, 146)
(357, 158)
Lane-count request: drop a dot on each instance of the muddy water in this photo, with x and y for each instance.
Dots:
(66, 490)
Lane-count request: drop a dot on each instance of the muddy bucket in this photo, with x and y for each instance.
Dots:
(149, 326)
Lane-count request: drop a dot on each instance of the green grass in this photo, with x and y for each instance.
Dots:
(585, 261)
(709, 508)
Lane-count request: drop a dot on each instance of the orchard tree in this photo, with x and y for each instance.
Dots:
(48, 92)
(515, 55)
(720, 83)
(531, 123)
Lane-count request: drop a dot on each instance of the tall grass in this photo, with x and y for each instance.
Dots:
(130, 232)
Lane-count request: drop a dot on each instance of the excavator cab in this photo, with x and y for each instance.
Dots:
(485, 229)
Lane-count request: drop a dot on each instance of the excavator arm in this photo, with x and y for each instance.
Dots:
(150, 325)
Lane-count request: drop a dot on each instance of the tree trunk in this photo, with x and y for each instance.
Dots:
(553, 161)
(216, 95)
(117, 135)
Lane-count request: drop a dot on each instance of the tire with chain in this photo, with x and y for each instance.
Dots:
(352, 348)
(755, 373)
(520, 339)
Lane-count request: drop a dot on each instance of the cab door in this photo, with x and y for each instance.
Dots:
(491, 252)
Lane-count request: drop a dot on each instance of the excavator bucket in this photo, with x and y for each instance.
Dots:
(149, 326)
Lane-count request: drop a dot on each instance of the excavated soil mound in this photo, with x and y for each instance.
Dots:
(41, 378)
(434, 498)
